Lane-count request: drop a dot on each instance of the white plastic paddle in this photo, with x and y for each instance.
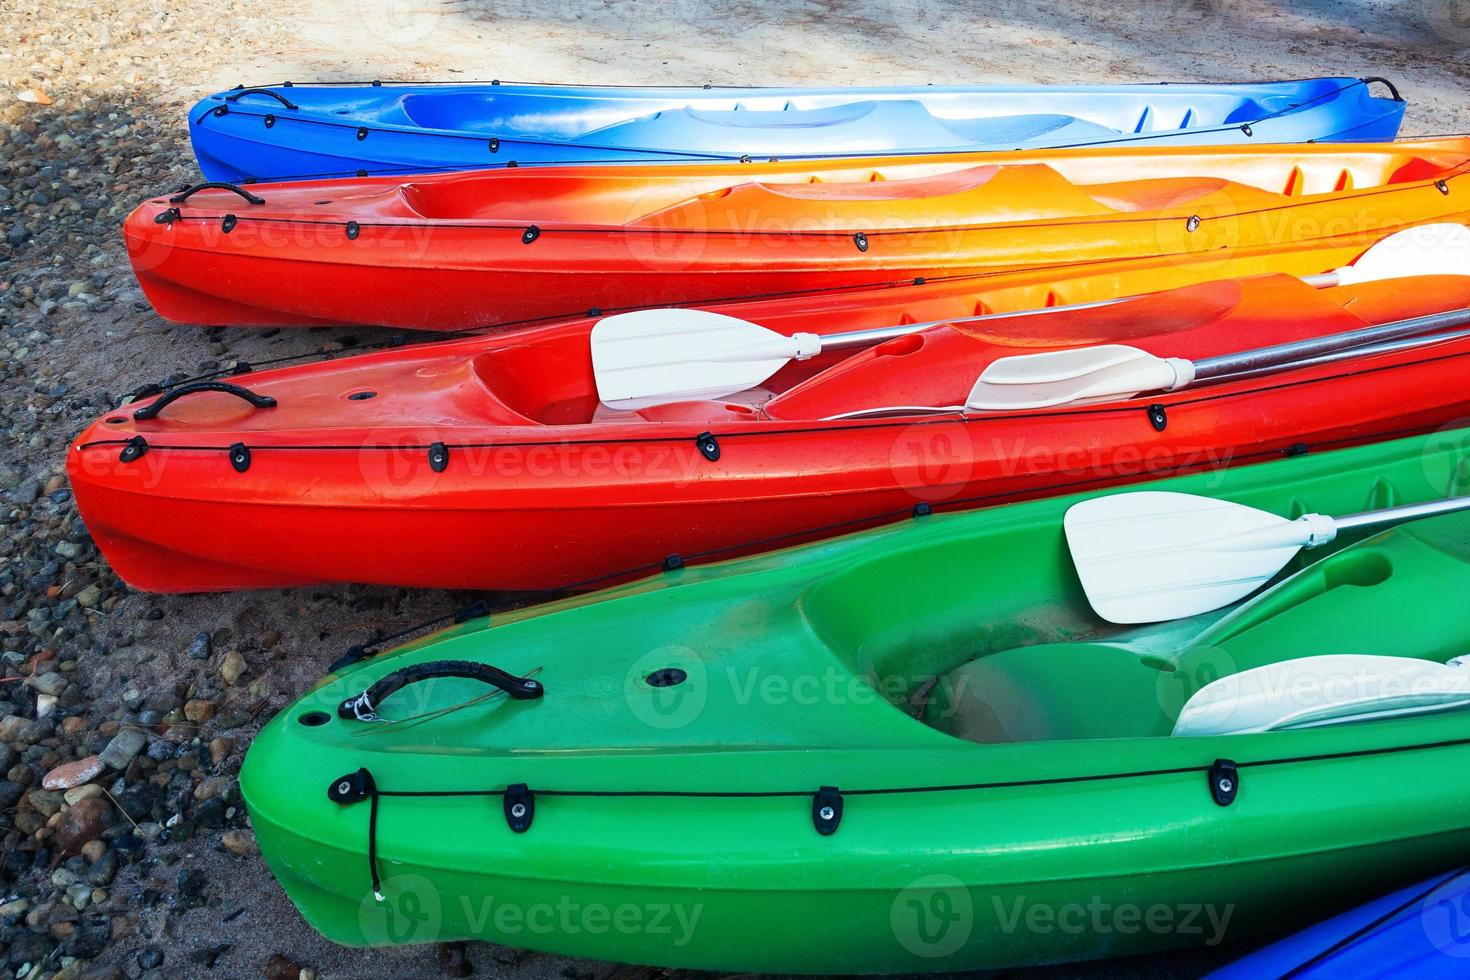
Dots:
(1112, 372)
(652, 357)
(1151, 556)
(1324, 351)
(1309, 692)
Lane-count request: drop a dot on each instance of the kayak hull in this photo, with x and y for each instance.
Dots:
(536, 489)
(699, 807)
(463, 251)
(319, 131)
(1415, 931)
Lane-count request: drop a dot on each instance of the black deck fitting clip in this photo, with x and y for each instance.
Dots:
(918, 280)
(596, 311)
(745, 158)
(1192, 225)
(673, 562)
(923, 509)
(1224, 781)
(241, 367)
(377, 83)
(530, 235)
(362, 171)
(511, 163)
(228, 223)
(361, 133)
(709, 447)
(1246, 129)
(438, 457)
(861, 241)
(494, 144)
(494, 81)
(1296, 449)
(283, 85)
(167, 217)
(240, 457)
(352, 788)
(1158, 417)
(1442, 186)
(353, 230)
(136, 448)
(827, 810)
(520, 807)
(221, 110)
(270, 120)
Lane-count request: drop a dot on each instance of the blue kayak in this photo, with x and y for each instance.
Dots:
(284, 132)
(1419, 931)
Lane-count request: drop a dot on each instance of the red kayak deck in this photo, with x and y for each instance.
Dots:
(489, 463)
(461, 251)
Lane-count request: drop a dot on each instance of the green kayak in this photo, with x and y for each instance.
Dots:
(910, 749)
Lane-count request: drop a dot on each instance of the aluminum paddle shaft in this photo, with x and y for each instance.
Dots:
(1297, 350)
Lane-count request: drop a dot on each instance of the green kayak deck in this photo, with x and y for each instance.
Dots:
(910, 749)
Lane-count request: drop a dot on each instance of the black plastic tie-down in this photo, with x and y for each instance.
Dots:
(520, 807)
(827, 810)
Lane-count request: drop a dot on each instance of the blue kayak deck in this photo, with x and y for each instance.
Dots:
(312, 131)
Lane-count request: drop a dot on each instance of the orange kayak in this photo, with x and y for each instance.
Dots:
(472, 250)
(490, 463)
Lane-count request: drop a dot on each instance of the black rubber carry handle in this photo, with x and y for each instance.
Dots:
(151, 410)
(221, 185)
(365, 706)
(1392, 89)
(234, 96)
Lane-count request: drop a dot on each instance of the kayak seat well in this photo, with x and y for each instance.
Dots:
(1052, 691)
(1338, 621)
(548, 382)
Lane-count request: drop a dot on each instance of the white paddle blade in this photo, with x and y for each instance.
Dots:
(653, 357)
(1440, 249)
(1151, 556)
(1064, 377)
(1310, 692)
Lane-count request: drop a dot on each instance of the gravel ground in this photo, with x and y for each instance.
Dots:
(148, 868)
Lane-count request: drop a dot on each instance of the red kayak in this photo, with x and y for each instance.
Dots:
(461, 251)
(491, 463)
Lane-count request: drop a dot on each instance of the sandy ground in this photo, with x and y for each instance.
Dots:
(146, 61)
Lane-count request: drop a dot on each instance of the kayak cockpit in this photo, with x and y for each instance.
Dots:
(1327, 645)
